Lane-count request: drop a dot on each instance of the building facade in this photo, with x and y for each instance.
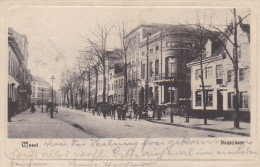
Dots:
(158, 61)
(41, 91)
(19, 77)
(219, 78)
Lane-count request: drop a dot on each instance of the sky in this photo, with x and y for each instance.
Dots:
(54, 33)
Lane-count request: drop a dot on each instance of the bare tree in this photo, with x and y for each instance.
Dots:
(125, 42)
(224, 39)
(97, 48)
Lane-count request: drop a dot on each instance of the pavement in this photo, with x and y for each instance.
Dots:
(40, 125)
(226, 126)
(72, 123)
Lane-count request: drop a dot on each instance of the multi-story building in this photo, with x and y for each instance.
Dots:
(219, 77)
(19, 78)
(41, 90)
(158, 58)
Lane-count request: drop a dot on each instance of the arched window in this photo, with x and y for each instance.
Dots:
(143, 71)
(151, 69)
(156, 67)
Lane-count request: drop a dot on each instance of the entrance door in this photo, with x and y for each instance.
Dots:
(219, 101)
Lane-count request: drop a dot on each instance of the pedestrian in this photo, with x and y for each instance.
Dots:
(119, 111)
(33, 108)
(186, 110)
(152, 106)
(140, 111)
(134, 106)
(124, 111)
(10, 109)
(85, 106)
(113, 108)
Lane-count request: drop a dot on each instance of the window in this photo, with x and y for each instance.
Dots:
(243, 100)
(242, 74)
(112, 86)
(197, 74)
(198, 98)
(143, 53)
(219, 71)
(171, 67)
(116, 84)
(156, 67)
(172, 44)
(209, 98)
(231, 99)
(143, 71)
(168, 44)
(157, 48)
(151, 69)
(208, 72)
(151, 50)
(230, 75)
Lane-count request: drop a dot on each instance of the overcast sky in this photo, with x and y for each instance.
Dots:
(54, 32)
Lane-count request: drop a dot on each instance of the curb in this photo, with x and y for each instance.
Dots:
(201, 128)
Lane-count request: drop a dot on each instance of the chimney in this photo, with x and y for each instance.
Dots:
(208, 48)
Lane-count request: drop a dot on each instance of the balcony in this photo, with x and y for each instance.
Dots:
(165, 76)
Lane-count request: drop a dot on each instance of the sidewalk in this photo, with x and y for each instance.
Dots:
(40, 125)
(213, 125)
(196, 123)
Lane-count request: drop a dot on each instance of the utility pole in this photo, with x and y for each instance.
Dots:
(147, 61)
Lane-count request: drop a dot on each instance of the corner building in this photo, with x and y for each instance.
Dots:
(158, 55)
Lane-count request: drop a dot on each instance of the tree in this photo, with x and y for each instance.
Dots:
(224, 39)
(121, 32)
(200, 37)
(97, 48)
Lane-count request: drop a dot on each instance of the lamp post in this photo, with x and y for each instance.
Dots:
(42, 99)
(52, 105)
(147, 61)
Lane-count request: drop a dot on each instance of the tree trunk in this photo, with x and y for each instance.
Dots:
(203, 91)
(82, 88)
(104, 82)
(125, 81)
(96, 90)
(71, 99)
(89, 93)
(235, 64)
(68, 99)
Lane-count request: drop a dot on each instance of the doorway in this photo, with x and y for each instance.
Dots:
(219, 101)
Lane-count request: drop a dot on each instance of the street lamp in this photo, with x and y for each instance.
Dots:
(52, 105)
(147, 68)
(42, 99)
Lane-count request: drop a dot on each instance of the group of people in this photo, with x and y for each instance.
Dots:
(124, 111)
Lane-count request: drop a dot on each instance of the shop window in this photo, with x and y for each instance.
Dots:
(197, 74)
(219, 71)
(208, 72)
(243, 100)
(209, 98)
(198, 98)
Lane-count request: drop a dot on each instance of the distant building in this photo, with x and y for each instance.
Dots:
(219, 78)
(19, 78)
(40, 87)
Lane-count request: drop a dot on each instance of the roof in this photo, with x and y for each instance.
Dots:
(39, 79)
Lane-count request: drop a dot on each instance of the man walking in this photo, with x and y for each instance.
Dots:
(85, 106)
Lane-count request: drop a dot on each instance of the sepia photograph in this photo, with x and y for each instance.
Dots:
(128, 72)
